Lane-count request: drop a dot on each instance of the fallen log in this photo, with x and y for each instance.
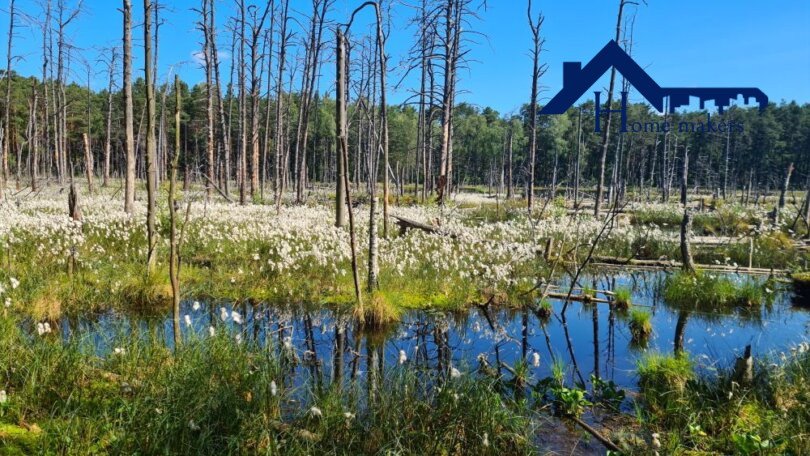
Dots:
(577, 297)
(616, 261)
(408, 224)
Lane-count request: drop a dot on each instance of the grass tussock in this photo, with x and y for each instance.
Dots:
(622, 298)
(706, 290)
(377, 312)
(662, 379)
(640, 325)
(147, 292)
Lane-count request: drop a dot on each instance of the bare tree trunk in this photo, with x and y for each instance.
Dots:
(384, 115)
(174, 254)
(205, 26)
(224, 127)
(151, 145)
(782, 194)
(35, 139)
(341, 132)
(88, 163)
(242, 172)
(343, 140)
(606, 131)
(129, 185)
(267, 114)
(726, 162)
(684, 175)
(510, 180)
(46, 31)
(537, 44)
(255, 82)
(578, 160)
(686, 250)
(7, 134)
(282, 52)
(108, 129)
(446, 165)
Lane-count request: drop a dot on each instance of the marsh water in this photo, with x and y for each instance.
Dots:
(591, 339)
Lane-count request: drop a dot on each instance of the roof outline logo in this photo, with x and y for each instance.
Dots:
(577, 79)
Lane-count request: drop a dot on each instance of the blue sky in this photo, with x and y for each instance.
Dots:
(680, 43)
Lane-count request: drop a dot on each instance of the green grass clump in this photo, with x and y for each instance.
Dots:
(705, 290)
(640, 325)
(711, 413)
(662, 379)
(622, 298)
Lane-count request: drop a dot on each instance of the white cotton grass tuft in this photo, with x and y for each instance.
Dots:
(402, 357)
(43, 328)
(349, 416)
(237, 318)
(3, 397)
(196, 306)
(536, 359)
(119, 351)
(14, 283)
(223, 314)
(211, 331)
(455, 373)
(187, 319)
(655, 442)
(273, 388)
(315, 412)
(485, 440)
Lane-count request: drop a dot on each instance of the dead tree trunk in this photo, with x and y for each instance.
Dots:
(282, 53)
(88, 163)
(606, 132)
(7, 136)
(686, 251)
(151, 145)
(343, 141)
(341, 131)
(174, 254)
(256, 26)
(782, 194)
(129, 143)
(108, 129)
(537, 44)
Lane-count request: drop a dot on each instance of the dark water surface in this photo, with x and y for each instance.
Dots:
(593, 339)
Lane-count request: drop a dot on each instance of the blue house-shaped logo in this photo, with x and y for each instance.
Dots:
(577, 79)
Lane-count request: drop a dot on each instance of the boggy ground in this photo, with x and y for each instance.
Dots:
(217, 395)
